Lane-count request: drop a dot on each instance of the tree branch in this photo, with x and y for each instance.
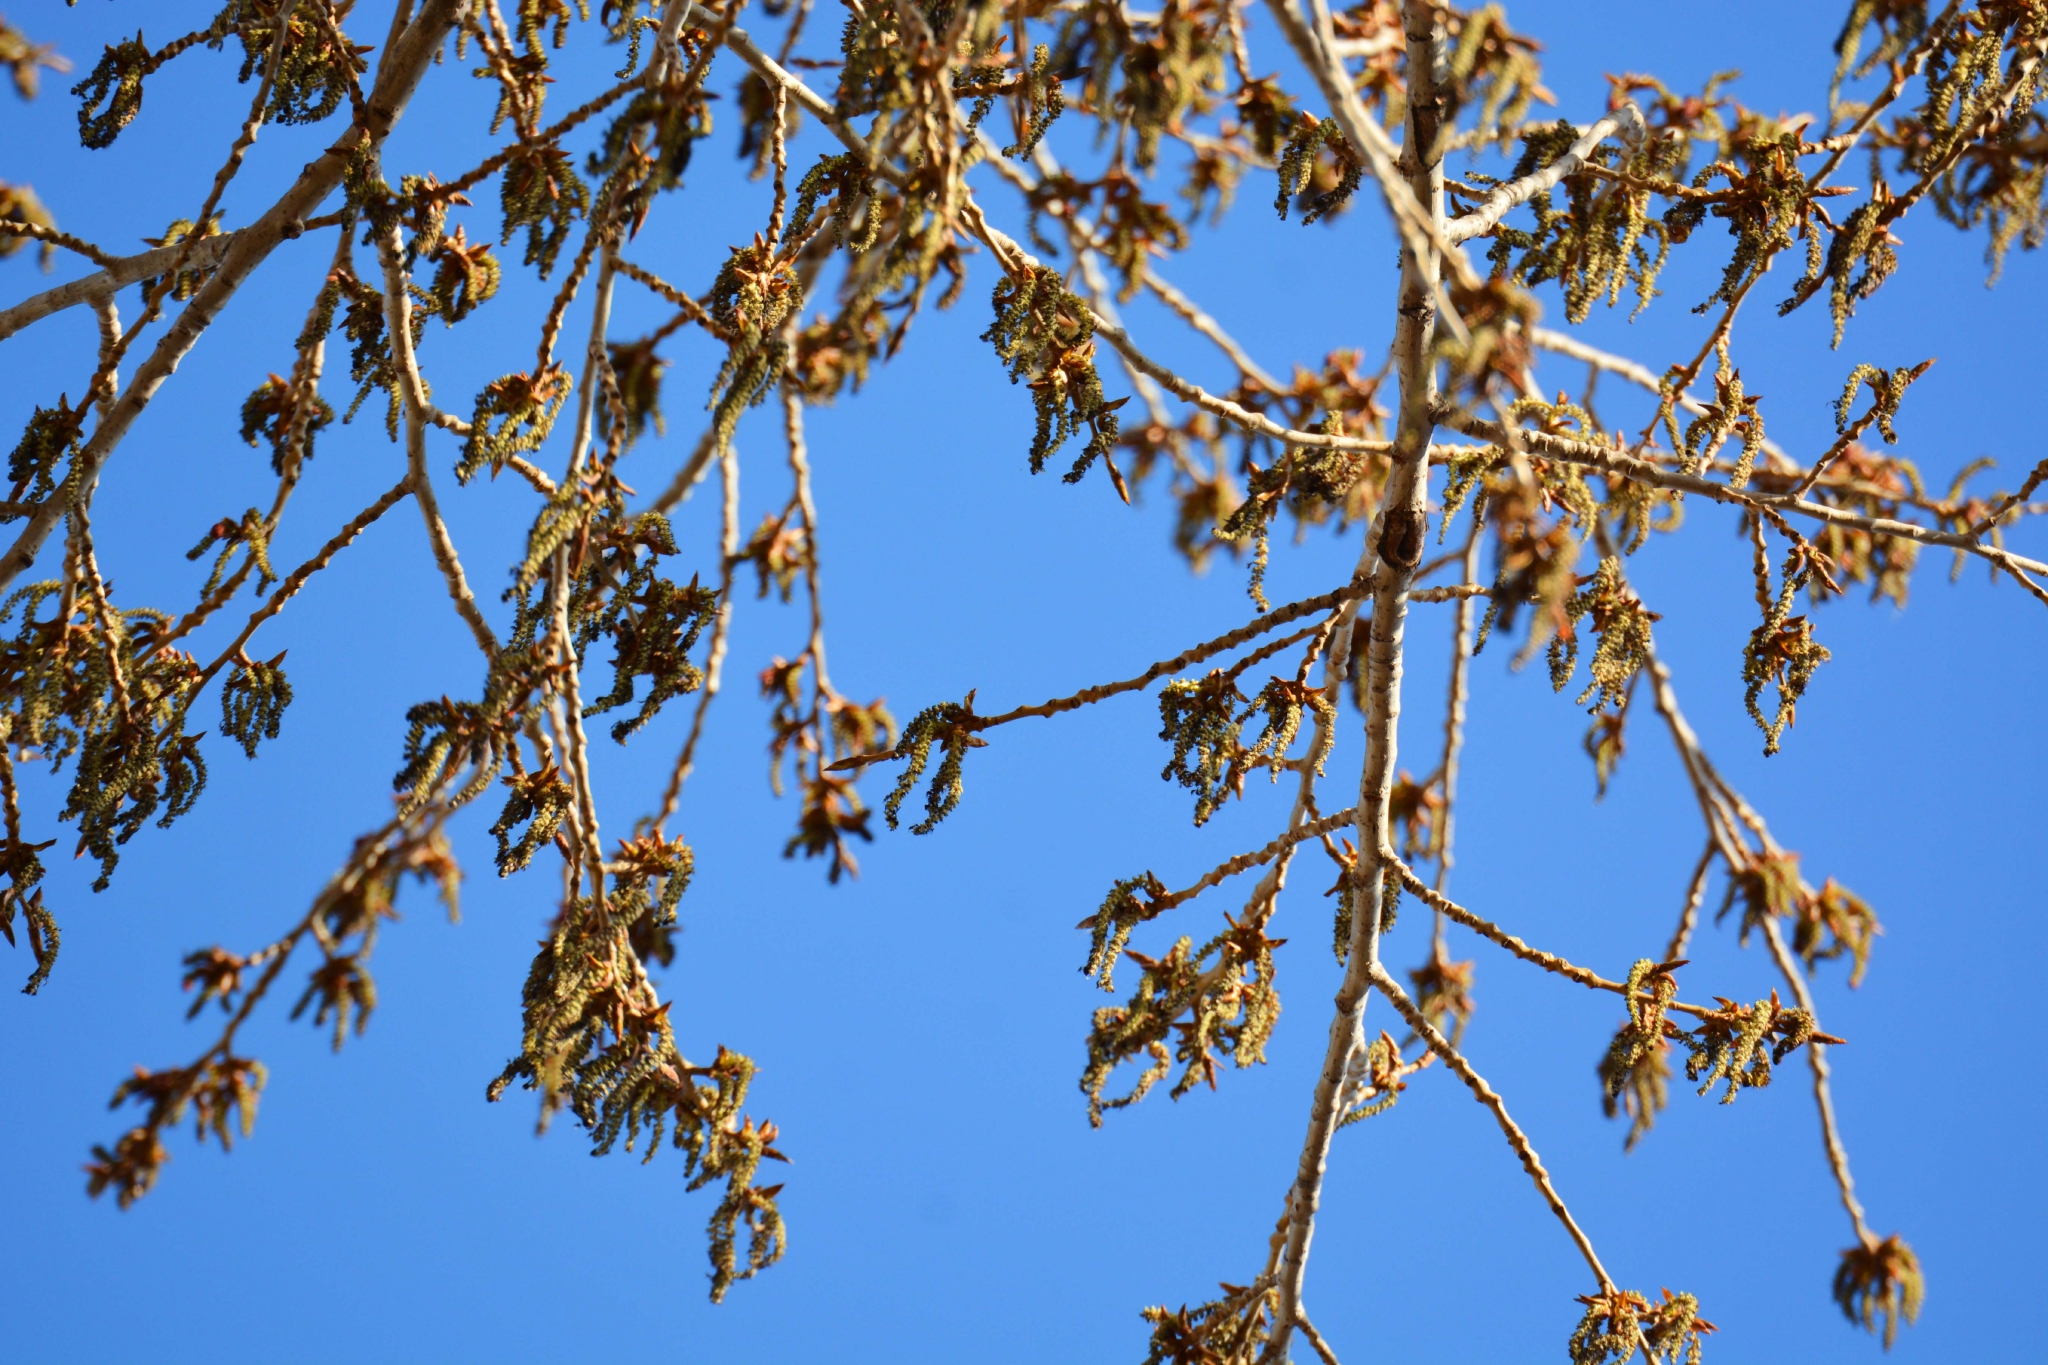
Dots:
(1396, 539)
(1610, 460)
(398, 326)
(1717, 801)
(1087, 696)
(296, 579)
(1486, 1095)
(1627, 121)
(404, 65)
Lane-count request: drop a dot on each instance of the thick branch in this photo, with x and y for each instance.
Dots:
(1627, 120)
(405, 63)
(1396, 539)
(206, 252)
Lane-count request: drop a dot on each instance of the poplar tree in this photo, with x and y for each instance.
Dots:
(1480, 496)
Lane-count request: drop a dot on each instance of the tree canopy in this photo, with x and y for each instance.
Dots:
(1493, 471)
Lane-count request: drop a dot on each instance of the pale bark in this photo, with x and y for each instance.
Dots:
(1627, 121)
(1397, 539)
(398, 76)
(103, 284)
(413, 399)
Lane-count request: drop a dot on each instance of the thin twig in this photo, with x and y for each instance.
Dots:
(296, 579)
(1493, 933)
(568, 710)
(1486, 1095)
(153, 299)
(1191, 313)
(52, 237)
(1087, 696)
(398, 324)
(721, 627)
(1244, 862)
(1721, 807)
(1565, 344)
(1315, 1338)
(694, 309)
(1462, 641)
(1015, 257)
(1610, 460)
(690, 474)
(1823, 1096)
(1688, 918)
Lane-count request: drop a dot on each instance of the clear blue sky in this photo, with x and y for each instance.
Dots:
(919, 1030)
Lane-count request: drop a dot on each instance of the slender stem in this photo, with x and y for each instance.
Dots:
(2021, 79)
(1717, 800)
(1256, 422)
(1299, 831)
(1608, 460)
(1689, 917)
(721, 627)
(1014, 257)
(491, 165)
(1334, 646)
(1487, 1096)
(1823, 1095)
(569, 714)
(1251, 630)
(1565, 344)
(296, 579)
(305, 388)
(800, 474)
(1493, 933)
(1462, 639)
(1191, 313)
(778, 151)
(153, 299)
(694, 309)
(1902, 75)
(412, 395)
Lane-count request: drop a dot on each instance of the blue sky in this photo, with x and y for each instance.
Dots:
(919, 1030)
